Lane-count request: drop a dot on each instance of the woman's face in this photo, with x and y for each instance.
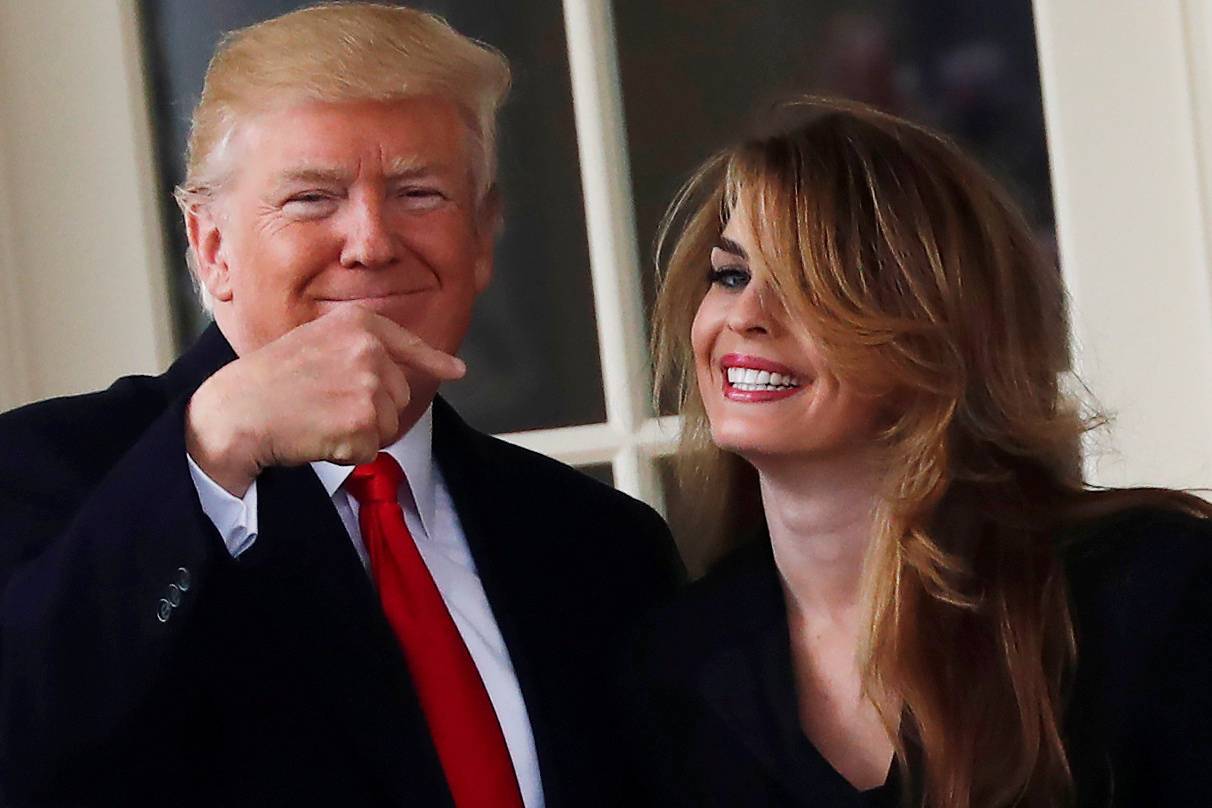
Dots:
(766, 388)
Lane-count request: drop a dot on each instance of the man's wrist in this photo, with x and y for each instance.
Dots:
(219, 447)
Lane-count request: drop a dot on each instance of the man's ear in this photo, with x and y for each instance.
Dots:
(489, 224)
(204, 229)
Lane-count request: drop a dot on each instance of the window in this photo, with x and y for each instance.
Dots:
(612, 107)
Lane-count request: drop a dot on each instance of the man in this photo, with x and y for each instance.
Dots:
(203, 601)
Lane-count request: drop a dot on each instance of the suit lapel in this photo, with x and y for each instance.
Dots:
(329, 616)
(302, 586)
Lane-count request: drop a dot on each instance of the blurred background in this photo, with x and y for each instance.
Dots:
(1096, 113)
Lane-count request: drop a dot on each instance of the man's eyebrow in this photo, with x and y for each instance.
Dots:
(732, 248)
(314, 174)
(405, 168)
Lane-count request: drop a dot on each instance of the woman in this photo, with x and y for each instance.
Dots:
(871, 349)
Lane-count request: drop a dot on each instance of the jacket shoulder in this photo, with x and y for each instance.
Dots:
(1141, 596)
(1135, 579)
(564, 489)
(1147, 550)
(78, 436)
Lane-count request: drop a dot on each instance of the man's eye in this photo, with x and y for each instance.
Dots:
(421, 193)
(420, 197)
(729, 277)
(308, 201)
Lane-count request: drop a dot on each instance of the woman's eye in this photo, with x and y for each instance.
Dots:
(729, 277)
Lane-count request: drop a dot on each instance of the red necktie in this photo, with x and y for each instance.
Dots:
(460, 715)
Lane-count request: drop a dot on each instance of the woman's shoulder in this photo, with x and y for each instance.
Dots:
(738, 597)
(1140, 586)
(1137, 547)
(1137, 580)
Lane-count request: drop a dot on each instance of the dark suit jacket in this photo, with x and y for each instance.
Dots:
(715, 713)
(276, 680)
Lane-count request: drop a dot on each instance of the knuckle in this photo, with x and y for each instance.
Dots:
(357, 414)
(363, 417)
(343, 452)
(365, 452)
(366, 346)
(370, 383)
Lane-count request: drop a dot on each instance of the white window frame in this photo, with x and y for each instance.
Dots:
(1126, 98)
(632, 437)
(1132, 222)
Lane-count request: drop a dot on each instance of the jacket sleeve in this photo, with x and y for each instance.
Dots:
(100, 572)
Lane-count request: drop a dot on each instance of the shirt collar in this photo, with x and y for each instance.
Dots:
(414, 452)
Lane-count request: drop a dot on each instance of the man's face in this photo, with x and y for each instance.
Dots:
(366, 203)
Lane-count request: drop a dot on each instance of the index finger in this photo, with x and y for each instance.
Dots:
(407, 349)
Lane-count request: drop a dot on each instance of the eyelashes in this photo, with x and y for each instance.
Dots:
(728, 277)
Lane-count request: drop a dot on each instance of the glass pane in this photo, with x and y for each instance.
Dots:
(602, 472)
(695, 74)
(532, 350)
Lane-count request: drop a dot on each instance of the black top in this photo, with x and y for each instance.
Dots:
(712, 700)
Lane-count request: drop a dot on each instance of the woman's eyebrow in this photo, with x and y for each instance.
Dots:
(731, 247)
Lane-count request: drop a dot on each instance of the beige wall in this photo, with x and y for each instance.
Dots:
(1123, 83)
(1128, 97)
(80, 265)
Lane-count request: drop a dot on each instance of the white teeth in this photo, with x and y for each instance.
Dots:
(753, 379)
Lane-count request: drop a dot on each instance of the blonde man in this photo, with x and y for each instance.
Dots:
(284, 572)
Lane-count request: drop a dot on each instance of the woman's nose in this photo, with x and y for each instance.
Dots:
(750, 310)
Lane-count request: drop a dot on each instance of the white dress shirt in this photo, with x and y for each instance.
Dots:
(431, 518)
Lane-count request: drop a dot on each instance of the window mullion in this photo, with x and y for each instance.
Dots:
(609, 215)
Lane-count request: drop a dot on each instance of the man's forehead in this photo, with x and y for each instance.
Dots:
(398, 138)
(398, 166)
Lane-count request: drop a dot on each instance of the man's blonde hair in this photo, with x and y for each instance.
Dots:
(343, 52)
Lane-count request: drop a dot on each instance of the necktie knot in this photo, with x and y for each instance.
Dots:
(376, 482)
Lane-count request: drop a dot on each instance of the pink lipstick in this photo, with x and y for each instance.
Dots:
(766, 380)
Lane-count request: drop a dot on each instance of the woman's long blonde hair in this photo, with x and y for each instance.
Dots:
(922, 282)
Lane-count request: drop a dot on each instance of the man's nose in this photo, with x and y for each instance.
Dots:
(750, 312)
(369, 241)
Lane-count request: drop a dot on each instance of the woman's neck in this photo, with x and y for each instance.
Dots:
(821, 516)
(820, 513)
